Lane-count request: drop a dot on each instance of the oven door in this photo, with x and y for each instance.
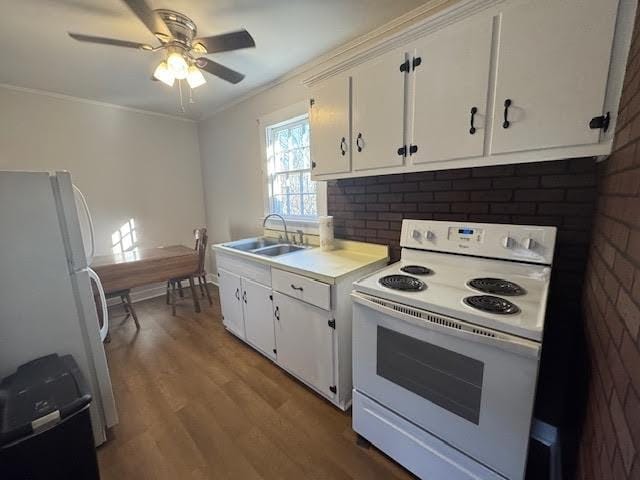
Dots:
(470, 386)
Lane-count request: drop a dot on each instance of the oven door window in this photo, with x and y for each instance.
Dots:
(446, 378)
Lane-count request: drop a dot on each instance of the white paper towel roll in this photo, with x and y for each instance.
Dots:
(325, 227)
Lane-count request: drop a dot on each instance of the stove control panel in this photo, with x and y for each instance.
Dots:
(465, 234)
(527, 243)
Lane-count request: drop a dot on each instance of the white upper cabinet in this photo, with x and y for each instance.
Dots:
(536, 78)
(450, 91)
(378, 92)
(329, 121)
(552, 68)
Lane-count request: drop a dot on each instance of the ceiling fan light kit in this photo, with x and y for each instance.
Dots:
(163, 74)
(185, 53)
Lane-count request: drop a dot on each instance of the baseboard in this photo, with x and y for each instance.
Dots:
(155, 290)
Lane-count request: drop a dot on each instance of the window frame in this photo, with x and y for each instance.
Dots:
(285, 115)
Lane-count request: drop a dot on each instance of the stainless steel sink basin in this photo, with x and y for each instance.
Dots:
(276, 250)
(253, 244)
(269, 247)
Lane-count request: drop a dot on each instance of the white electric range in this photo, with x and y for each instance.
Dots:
(446, 348)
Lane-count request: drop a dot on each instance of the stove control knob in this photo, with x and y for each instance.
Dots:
(529, 243)
(429, 235)
(507, 242)
(415, 234)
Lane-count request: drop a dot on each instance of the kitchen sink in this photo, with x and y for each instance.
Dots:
(270, 247)
(253, 244)
(276, 250)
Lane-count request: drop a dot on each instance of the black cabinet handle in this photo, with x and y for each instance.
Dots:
(359, 142)
(343, 146)
(244, 296)
(474, 110)
(237, 293)
(296, 288)
(507, 104)
(276, 313)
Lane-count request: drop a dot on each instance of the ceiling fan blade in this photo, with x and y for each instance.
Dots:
(151, 19)
(109, 41)
(218, 70)
(227, 41)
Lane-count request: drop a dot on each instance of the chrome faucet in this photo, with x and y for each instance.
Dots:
(284, 223)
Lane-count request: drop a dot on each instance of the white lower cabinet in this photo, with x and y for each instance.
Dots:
(247, 310)
(258, 316)
(301, 323)
(230, 302)
(304, 339)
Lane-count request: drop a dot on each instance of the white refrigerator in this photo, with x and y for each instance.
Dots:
(46, 297)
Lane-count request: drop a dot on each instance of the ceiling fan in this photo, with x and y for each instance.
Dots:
(185, 53)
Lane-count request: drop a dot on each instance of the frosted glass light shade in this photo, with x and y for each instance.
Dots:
(178, 65)
(163, 74)
(195, 77)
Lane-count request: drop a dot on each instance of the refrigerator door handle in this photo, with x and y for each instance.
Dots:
(104, 330)
(87, 212)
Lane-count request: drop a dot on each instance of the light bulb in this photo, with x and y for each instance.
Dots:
(195, 77)
(163, 74)
(178, 65)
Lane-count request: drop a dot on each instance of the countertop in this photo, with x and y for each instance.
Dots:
(346, 258)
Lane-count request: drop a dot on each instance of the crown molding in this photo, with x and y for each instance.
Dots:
(377, 45)
(325, 60)
(60, 96)
(430, 16)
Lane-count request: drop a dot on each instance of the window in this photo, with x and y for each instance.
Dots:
(291, 192)
(125, 238)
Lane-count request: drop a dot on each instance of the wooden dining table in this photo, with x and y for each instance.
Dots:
(145, 266)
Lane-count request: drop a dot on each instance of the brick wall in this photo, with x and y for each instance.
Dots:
(610, 447)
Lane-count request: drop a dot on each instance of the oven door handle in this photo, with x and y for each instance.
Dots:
(457, 328)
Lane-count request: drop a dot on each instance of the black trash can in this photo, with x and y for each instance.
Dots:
(45, 426)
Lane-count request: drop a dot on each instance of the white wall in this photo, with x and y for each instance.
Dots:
(128, 164)
(232, 161)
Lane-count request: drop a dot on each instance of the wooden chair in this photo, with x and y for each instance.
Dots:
(174, 285)
(125, 298)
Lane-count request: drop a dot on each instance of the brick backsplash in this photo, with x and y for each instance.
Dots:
(560, 193)
(610, 447)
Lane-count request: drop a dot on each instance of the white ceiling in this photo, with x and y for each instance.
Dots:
(37, 53)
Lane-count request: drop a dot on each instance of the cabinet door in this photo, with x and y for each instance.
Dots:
(230, 302)
(553, 63)
(304, 341)
(378, 91)
(258, 316)
(451, 80)
(329, 116)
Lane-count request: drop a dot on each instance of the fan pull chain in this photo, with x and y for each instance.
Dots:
(191, 100)
(182, 109)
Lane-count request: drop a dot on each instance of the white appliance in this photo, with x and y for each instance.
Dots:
(46, 297)
(446, 348)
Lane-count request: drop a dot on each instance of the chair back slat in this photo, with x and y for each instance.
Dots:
(201, 237)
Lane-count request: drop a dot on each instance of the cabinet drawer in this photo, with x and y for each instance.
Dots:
(303, 288)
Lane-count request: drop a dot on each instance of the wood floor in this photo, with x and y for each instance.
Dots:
(196, 403)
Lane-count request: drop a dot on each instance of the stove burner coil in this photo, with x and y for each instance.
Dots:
(402, 282)
(491, 304)
(416, 270)
(497, 286)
